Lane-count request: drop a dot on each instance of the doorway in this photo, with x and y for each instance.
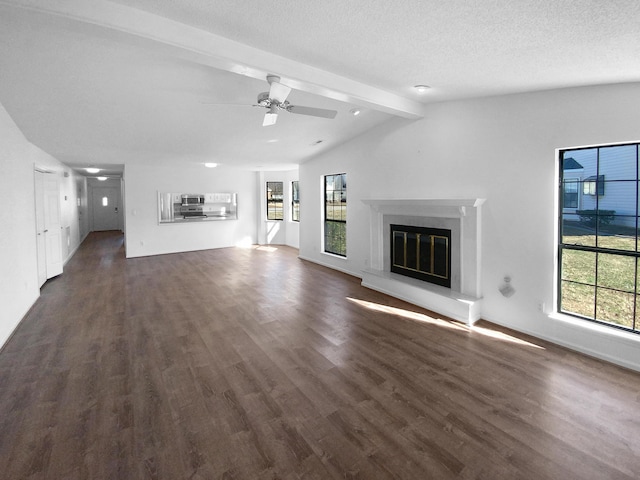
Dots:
(48, 226)
(105, 204)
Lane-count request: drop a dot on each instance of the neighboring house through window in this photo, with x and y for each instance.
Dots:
(572, 174)
(335, 214)
(598, 243)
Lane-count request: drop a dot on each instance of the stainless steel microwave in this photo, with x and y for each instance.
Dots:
(192, 199)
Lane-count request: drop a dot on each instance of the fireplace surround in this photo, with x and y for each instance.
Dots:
(463, 218)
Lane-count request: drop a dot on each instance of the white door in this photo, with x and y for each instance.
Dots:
(40, 242)
(106, 206)
(48, 227)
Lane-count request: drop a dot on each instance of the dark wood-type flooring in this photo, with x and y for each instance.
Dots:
(253, 364)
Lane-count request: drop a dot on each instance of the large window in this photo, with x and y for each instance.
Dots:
(295, 201)
(599, 256)
(335, 214)
(275, 199)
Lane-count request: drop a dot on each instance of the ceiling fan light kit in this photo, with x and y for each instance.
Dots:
(271, 116)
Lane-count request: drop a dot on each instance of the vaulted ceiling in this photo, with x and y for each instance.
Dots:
(110, 83)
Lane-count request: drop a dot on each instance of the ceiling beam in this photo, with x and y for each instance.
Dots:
(225, 54)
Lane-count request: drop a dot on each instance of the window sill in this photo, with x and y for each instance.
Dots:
(596, 327)
(329, 254)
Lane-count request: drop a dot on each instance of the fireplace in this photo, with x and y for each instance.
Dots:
(422, 253)
(461, 300)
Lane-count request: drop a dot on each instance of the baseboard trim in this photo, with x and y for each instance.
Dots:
(616, 360)
(14, 329)
(328, 265)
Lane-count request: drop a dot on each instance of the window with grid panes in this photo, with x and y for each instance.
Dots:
(598, 242)
(295, 201)
(275, 199)
(335, 214)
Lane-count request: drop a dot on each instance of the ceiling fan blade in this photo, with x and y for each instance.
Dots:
(314, 112)
(228, 104)
(278, 91)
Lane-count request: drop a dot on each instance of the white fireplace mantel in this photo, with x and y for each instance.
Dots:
(462, 216)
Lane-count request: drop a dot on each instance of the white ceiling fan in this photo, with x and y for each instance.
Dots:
(275, 100)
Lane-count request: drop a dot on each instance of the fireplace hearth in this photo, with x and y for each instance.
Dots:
(422, 253)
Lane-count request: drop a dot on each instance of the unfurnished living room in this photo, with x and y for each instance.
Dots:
(319, 240)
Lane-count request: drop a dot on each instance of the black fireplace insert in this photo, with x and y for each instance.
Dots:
(422, 253)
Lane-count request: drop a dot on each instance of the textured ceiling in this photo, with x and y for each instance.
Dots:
(153, 81)
(461, 48)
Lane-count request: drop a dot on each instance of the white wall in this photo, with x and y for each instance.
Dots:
(18, 256)
(72, 187)
(292, 237)
(82, 193)
(18, 267)
(146, 237)
(502, 149)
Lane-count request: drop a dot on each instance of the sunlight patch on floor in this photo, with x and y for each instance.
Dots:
(266, 248)
(253, 246)
(400, 312)
(503, 337)
(421, 317)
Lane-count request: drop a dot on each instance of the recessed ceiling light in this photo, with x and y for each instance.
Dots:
(102, 179)
(273, 140)
(92, 170)
(422, 88)
(354, 111)
(210, 165)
